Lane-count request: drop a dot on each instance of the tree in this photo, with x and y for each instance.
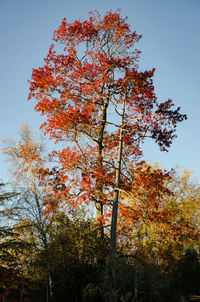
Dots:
(96, 101)
(185, 200)
(10, 277)
(158, 213)
(27, 159)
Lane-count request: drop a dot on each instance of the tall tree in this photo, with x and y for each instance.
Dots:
(96, 100)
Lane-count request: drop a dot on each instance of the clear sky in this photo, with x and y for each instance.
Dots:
(170, 43)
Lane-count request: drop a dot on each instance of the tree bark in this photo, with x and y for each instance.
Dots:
(99, 205)
(50, 281)
(44, 240)
(116, 191)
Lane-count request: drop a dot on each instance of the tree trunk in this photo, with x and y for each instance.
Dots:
(99, 205)
(116, 192)
(48, 263)
(44, 240)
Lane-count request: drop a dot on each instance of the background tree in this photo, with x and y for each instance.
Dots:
(11, 279)
(27, 160)
(158, 209)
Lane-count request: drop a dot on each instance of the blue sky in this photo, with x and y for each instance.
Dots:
(170, 43)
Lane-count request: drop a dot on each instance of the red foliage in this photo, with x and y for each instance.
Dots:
(78, 87)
